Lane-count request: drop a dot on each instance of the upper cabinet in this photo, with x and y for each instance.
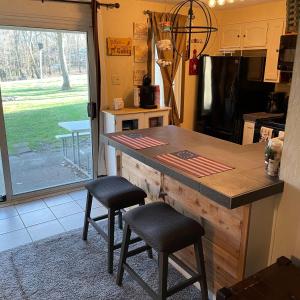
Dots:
(255, 34)
(231, 36)
(245, 36)
(276, 29)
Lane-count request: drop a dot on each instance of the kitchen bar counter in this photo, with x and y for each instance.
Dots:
(252, 117)
(236, 208)
(246, 183)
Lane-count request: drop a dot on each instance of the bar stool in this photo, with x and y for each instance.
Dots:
(166, 231)
(115, 193)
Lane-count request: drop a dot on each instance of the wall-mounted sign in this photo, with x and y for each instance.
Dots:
(140, 31)
(138, 75)
(119, 46)
(140, 53)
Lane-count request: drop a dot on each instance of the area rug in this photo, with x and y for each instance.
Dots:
(65, 267)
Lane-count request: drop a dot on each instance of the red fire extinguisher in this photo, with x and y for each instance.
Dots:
(194, 64)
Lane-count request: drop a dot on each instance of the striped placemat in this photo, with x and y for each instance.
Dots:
(137, 141)
(193, 164)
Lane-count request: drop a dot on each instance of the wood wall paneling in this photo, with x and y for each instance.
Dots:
(226, 231)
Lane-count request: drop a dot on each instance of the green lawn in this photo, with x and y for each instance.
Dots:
(37, 107)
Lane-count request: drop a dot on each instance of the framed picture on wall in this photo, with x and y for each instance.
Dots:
(140, 31)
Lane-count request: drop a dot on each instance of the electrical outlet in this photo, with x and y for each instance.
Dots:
(115, 79)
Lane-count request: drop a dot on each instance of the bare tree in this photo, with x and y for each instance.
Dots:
(63, 65)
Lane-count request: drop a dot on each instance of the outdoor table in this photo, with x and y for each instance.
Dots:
(75, 128)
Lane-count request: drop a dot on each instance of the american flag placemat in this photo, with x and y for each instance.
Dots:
(137, 141)
(194, 164)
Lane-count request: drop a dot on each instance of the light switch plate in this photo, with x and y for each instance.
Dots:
(115, 79)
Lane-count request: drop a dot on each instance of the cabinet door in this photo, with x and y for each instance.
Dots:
(231, 37)
(129, 122)
(248, 133)
(274, 33)
(156, 119)
(255, 34)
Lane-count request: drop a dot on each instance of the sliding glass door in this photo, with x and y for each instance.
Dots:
(45, 87)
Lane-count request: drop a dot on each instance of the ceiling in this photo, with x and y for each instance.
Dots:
(237, 3)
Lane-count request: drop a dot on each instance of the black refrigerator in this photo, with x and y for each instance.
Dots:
(230, 87)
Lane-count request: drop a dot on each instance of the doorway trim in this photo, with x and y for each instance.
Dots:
(4, 155)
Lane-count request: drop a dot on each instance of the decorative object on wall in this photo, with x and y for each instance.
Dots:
(140, 53)
(163, 63)
(292, 15)
(166, 26)
(119, 46)
(172, 57)
(138, 75)
(194, 64)
(164, 45)
(140, 31)
(190, 29)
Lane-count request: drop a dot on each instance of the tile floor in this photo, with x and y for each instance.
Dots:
(28, 222)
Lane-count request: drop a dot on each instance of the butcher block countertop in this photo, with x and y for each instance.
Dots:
(246, 183)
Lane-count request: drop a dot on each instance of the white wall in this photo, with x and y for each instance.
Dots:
(119, 23)
(287, 235)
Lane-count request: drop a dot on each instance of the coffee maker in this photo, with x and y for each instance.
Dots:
(147, 94)
(277, 103)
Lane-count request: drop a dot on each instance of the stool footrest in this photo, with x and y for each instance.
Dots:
(98, 229)
(140, 281)
(103, 217)
(184, 284)
(182, 264)
(138, 250)
(104, 235)
(132, 241)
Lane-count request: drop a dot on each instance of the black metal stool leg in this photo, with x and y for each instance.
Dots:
(150, 253)
(89, 200)
(163, 275)
(120, 219)
(201, 268)
(123, 255)
(111, 240)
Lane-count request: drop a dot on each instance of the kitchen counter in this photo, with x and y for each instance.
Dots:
(246, 183)
(261, 115)
(238, 228)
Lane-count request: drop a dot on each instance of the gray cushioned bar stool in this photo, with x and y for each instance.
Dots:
(115, 193)
(166, 231)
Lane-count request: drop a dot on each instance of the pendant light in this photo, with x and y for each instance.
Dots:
(190, 29)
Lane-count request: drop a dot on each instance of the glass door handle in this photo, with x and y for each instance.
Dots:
(92, 110)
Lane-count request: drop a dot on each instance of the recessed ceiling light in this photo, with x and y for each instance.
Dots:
(212, 3)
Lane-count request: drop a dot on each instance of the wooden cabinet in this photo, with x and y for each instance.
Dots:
(248, 35)
(275, 31)
(254, 34)
(248, 132)
(130, 119)
(231, 36)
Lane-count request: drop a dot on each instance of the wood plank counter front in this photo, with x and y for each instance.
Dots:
(238, 231)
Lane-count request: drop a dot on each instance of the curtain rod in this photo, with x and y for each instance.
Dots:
(107, 5)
